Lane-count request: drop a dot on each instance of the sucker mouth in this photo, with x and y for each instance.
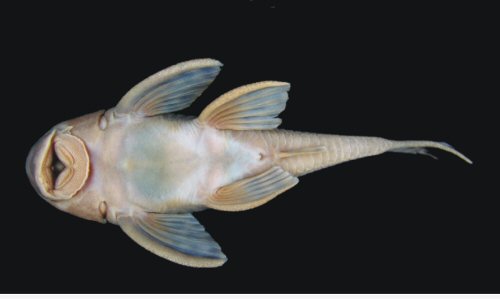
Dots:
(64, 167)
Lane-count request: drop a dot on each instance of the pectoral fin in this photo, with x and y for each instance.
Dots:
(171, 89)
(179, 238)
(252, 192)
(250, 107)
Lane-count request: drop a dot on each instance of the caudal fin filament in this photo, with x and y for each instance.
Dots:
(419, 147)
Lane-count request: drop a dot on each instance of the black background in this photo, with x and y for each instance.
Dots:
(392, 223)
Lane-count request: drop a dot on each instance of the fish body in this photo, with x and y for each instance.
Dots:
(170, 164)
(142, 167)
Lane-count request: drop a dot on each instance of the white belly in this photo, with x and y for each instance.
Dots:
(162, 164)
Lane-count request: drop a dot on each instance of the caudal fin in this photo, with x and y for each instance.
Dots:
(300, 153)
(419, 147)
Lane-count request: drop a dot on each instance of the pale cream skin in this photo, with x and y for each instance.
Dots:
(139, 166)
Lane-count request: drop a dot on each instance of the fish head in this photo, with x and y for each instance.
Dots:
(59, 167)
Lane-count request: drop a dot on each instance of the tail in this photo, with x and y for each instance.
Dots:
(419, 147)
(301, 153)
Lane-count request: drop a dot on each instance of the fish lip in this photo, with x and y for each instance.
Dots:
(37, 165)
(46, 152)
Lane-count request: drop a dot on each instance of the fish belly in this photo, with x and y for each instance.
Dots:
(179, 167)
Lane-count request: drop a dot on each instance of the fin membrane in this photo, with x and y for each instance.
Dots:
(252, 192)
(171, 89)
(250, 107)
(179, 238)
(415, 151)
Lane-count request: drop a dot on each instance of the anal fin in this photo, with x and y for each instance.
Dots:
(253, 191)
(302, 151)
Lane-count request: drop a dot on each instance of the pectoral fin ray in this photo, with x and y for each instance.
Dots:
(177, 237)
(253, 191)
(169, 90)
